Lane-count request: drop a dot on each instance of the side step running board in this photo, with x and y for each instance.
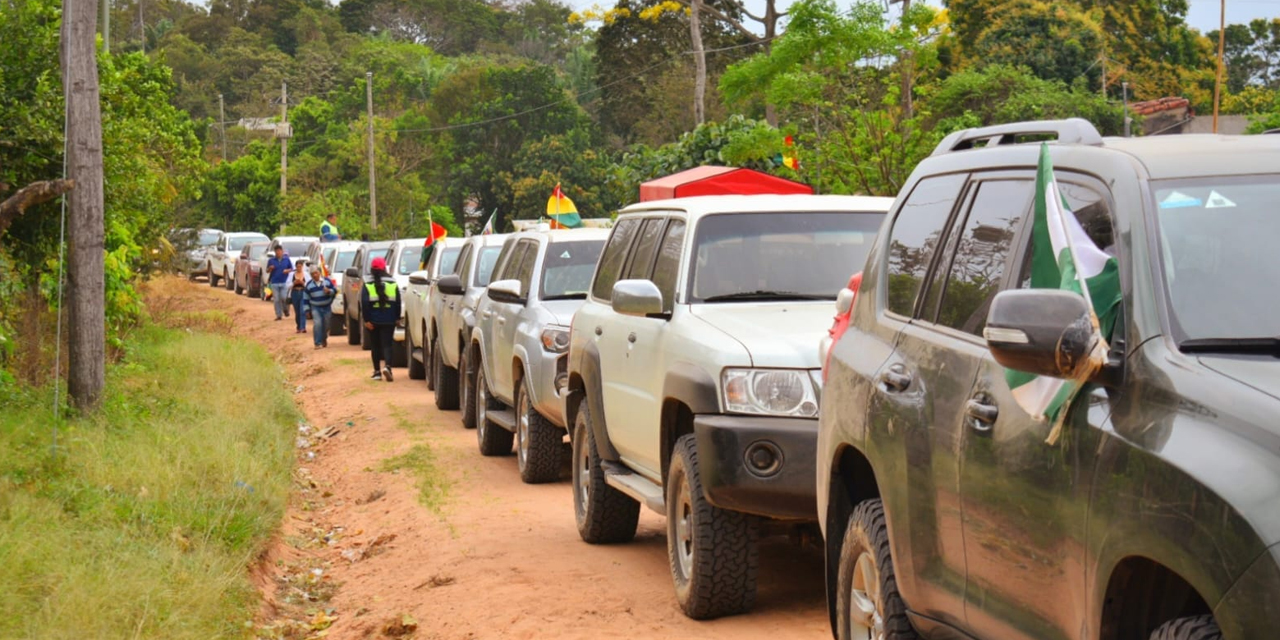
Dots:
(505, 418)
(635, 485)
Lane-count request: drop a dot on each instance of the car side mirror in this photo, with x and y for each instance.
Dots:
(451, 285)
(636, 298)
(352, 272)
(1046, 332)
(507, 291)
(420, 278)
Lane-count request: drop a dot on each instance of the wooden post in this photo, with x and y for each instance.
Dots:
(373, 190)
(1217, 83)
(699, 62)
(86, 287)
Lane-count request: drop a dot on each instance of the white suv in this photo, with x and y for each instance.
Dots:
(220, 260)
(522, 329)
(704, 318)
(417, 305)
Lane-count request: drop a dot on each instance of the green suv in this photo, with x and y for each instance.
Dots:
(1152, 510)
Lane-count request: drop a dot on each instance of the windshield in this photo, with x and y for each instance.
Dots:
(236, 244)
(484, 271)
(295, 247)
(256, 251)
(779, 256)
(567, 268)
(327, 254)
(374, 254)
(1215, 234)
(207, 238)
(410, 258)
(448, 260)
(343, 262)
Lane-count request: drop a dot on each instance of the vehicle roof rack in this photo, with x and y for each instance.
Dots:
(1069, 131)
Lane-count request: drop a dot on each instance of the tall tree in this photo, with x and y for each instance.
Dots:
(87, 288)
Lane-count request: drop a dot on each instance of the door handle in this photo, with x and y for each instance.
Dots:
(502, 320)
(599, 331)
(487, 314)
(896, 378)
(982, 413)
(632, 338)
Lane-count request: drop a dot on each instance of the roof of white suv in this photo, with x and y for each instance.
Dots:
(564, 235)
(703, 205)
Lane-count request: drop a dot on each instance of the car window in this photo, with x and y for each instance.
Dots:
(614, 254)
(373, 254)
(914, 238)
(296, 247)
(524, 272)
(207, 238)
(978, 268)
(567, 269)
(234, 244)
(256, 251)
(642, 257)
(487, 258)
(408, 261)
(666, 269)
(448, 260)
(1091, 210)
(464, 263)
(506, 265)
(343, 260)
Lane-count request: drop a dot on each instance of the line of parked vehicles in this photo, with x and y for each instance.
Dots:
(686, 361)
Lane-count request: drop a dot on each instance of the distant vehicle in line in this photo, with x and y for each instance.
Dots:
(452, 318)
(402, 259)
(220, 260)
(353, 280)
(193, 246)
(336, 258)
(248, 274)
(417, 306)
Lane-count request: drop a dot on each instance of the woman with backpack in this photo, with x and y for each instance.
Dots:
(380, 309)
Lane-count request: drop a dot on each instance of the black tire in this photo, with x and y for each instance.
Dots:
(603, 514)
(493, 439)
(417, 369)
(366, 338)
(713, 552)
(466, 389)
(239, 289)
(538, 442)
(1189, 628)
(228, 282)
(866, 539)
(400, 353)
(446, 382)
(208, 271)
(426, 358)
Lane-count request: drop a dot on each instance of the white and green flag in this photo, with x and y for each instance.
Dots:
(1064, 257)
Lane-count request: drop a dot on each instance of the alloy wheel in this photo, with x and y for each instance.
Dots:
(866, 620)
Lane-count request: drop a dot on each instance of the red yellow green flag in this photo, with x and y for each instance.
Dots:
(562, 211)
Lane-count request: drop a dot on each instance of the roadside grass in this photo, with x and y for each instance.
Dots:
(146, 521)
(429, 478)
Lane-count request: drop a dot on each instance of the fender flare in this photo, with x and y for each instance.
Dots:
(591, 393)
(693, 386)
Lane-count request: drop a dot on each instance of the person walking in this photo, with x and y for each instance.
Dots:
(320, 293)
(380, 309)
(329, 229)
(278, 269)
(298, 298)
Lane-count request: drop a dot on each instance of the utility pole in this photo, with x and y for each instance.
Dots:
(373, 191)
(142, 28)
(106, 26)
(284, 147)
(1217, 84)
(700, 63)
(1124, 88)
(222, 126)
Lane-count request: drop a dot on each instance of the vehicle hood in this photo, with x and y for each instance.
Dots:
(562, 310)
(1262, 373)
(776, 334)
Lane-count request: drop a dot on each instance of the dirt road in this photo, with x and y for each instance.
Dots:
(397, 522)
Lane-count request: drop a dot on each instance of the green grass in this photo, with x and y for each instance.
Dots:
(148, 518)
(420, 460)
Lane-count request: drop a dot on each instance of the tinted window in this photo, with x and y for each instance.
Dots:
(778, 255)
(978, 268)
(235, 244)
(343, 260)
(642, 258)
(614, 254)
(914, 238)
(567, 268)
(409, 261)
(524, 272)
(667, 267)
(509, 260)
(464, 262)
(296, 247)
(256, 251)
(484, 270)
(1091, 211)
(208, 237)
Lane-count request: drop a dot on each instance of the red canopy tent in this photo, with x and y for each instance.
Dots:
(717, 181)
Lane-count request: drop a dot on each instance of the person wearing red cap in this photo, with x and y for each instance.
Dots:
(380, 309)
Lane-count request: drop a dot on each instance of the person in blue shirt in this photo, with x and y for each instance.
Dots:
(278, 269)
(380, 309)
(320, 293)
(329, 229)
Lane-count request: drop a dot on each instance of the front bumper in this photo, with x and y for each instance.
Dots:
(758, 464)
(546, 399)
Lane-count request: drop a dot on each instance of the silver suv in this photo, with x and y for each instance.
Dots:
(704, 318)
(522, 328)
(417, 305)
(453, 316)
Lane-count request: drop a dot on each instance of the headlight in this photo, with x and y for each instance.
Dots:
(555, 339)
(771, 392)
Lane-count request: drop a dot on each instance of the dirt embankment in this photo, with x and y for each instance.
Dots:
(398, 527)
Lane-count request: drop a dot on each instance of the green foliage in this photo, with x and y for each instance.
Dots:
(1252, 54)
(1265, 122)
(999, 94)
(148, 515)
(1055, 41)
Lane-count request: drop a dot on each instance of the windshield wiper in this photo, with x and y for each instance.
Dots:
(1243, 346)
(767, 295)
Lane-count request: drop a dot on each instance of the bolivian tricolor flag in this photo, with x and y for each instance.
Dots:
(562, 211)
(438, 233)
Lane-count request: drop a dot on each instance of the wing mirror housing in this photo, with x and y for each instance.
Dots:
(1047, 332)
(451, 285)
(422, 278)
(352, 272)
(637, 298)
(507, 291)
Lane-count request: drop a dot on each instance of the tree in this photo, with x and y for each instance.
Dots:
(1252, 54)
(1000, 94)
(1055, 41)
(86, 286)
